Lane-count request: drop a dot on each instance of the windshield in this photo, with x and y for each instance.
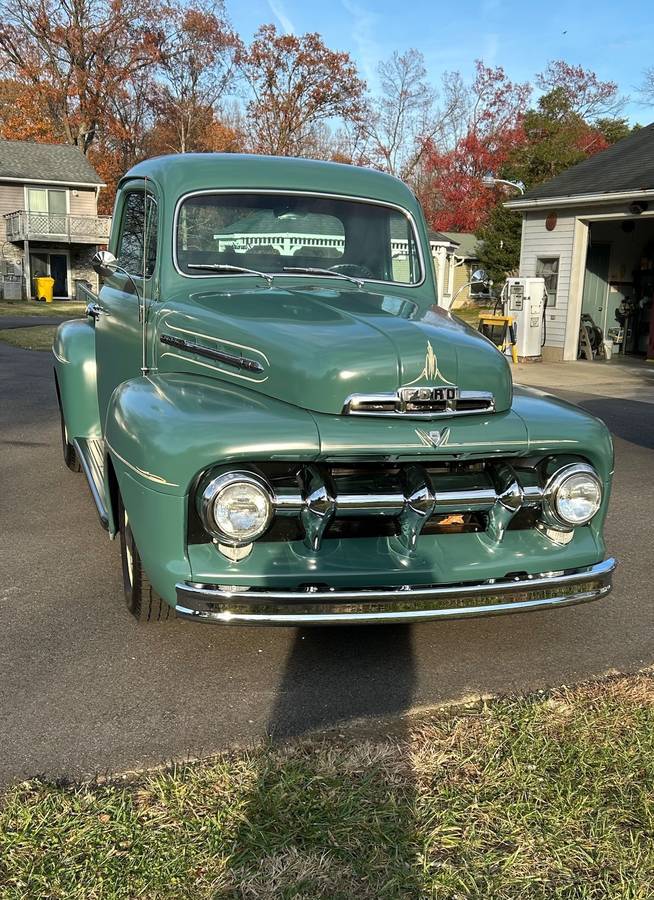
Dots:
(273, 233)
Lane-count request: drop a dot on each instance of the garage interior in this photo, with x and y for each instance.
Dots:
(617, 305)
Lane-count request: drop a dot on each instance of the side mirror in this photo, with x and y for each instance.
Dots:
(479, 276)
(104, 263)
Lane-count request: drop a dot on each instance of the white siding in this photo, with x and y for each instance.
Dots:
(538, 241)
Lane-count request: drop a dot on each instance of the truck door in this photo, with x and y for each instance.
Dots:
(118, 331)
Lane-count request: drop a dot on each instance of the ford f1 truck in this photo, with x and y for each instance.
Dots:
(282, 426)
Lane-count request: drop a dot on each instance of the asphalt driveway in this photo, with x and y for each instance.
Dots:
(84, 689)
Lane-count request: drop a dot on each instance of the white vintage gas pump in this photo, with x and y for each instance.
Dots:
(525, 299)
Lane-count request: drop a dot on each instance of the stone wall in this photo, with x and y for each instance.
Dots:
(80, 265)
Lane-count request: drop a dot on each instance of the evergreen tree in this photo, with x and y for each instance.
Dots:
(499, 250)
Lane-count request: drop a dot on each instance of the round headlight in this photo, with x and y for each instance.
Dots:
(236, 508)
(575, 494)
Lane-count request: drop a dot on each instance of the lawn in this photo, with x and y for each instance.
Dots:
(68, 309)
(35, 337)
(544, 797)
(469, 314)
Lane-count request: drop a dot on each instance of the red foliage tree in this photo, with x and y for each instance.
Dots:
(454, 196)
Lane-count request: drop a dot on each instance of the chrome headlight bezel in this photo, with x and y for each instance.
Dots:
(551, 511)
(211, 492)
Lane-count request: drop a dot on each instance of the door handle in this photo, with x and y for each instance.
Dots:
(94, 311)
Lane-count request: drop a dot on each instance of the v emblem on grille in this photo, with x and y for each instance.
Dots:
(434, 438)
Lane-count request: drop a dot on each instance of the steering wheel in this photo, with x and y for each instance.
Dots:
(352, 269)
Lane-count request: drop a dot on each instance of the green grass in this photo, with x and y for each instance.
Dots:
(469, 314)
(68, 309)
(35, 337)
(545, 797)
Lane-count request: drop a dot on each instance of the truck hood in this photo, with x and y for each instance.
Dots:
(314, 347)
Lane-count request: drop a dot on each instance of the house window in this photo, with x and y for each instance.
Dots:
(43, 200)
(547, 267)
(130, 245)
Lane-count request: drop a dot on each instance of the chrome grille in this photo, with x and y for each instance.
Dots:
(320, 501)
(426, 403)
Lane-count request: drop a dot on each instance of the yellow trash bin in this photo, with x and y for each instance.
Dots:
(44, 289)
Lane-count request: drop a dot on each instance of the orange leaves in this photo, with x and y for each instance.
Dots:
(297, 83)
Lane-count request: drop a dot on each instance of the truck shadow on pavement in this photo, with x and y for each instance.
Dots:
(336, 675)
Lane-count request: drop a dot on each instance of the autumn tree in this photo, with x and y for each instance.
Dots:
(297, 84)
(646, 88)
(401, 117)
(71, 55)
(558, 136)
(124, 136)
(21, 115)
(194, 77)
(582, 93)
(457, 198)
(564, 128)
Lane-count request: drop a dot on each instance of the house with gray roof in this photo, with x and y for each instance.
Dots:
(590, 233)
(49, 222)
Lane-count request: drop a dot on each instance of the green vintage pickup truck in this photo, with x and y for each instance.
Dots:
(282, 427)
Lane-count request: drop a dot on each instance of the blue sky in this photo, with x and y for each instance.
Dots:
(613, 39)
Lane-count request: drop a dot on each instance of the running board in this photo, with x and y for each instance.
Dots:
(90, 452)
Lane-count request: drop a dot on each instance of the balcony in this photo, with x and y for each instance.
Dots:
(24, 225)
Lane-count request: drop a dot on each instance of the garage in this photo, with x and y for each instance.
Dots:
(589, 233)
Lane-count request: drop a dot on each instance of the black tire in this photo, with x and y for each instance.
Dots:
(69, 452)
(142, 600)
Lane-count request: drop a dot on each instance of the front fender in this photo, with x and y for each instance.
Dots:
(167, 428)
(75, 371)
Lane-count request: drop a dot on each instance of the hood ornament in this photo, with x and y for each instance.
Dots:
(430, 372)
(425, 401)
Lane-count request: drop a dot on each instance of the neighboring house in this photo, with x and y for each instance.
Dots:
(463, 262)
(590, 233)
(49, 222)
(442, 250)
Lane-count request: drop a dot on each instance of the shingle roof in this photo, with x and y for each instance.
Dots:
(45, 162)
(467, 243)
(627, 165)
(439, 237)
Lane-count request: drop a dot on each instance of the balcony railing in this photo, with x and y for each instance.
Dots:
(24, 225)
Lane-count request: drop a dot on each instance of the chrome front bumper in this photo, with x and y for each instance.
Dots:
(209, 603)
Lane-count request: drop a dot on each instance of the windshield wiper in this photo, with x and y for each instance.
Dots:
(312, 270)
(218, 267)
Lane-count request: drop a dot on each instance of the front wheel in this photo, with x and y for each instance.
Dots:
(142, 600)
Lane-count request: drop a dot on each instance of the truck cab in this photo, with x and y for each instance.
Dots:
(282, 427)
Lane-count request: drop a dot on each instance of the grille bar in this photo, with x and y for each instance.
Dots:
(438, 404)
(416, 499)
